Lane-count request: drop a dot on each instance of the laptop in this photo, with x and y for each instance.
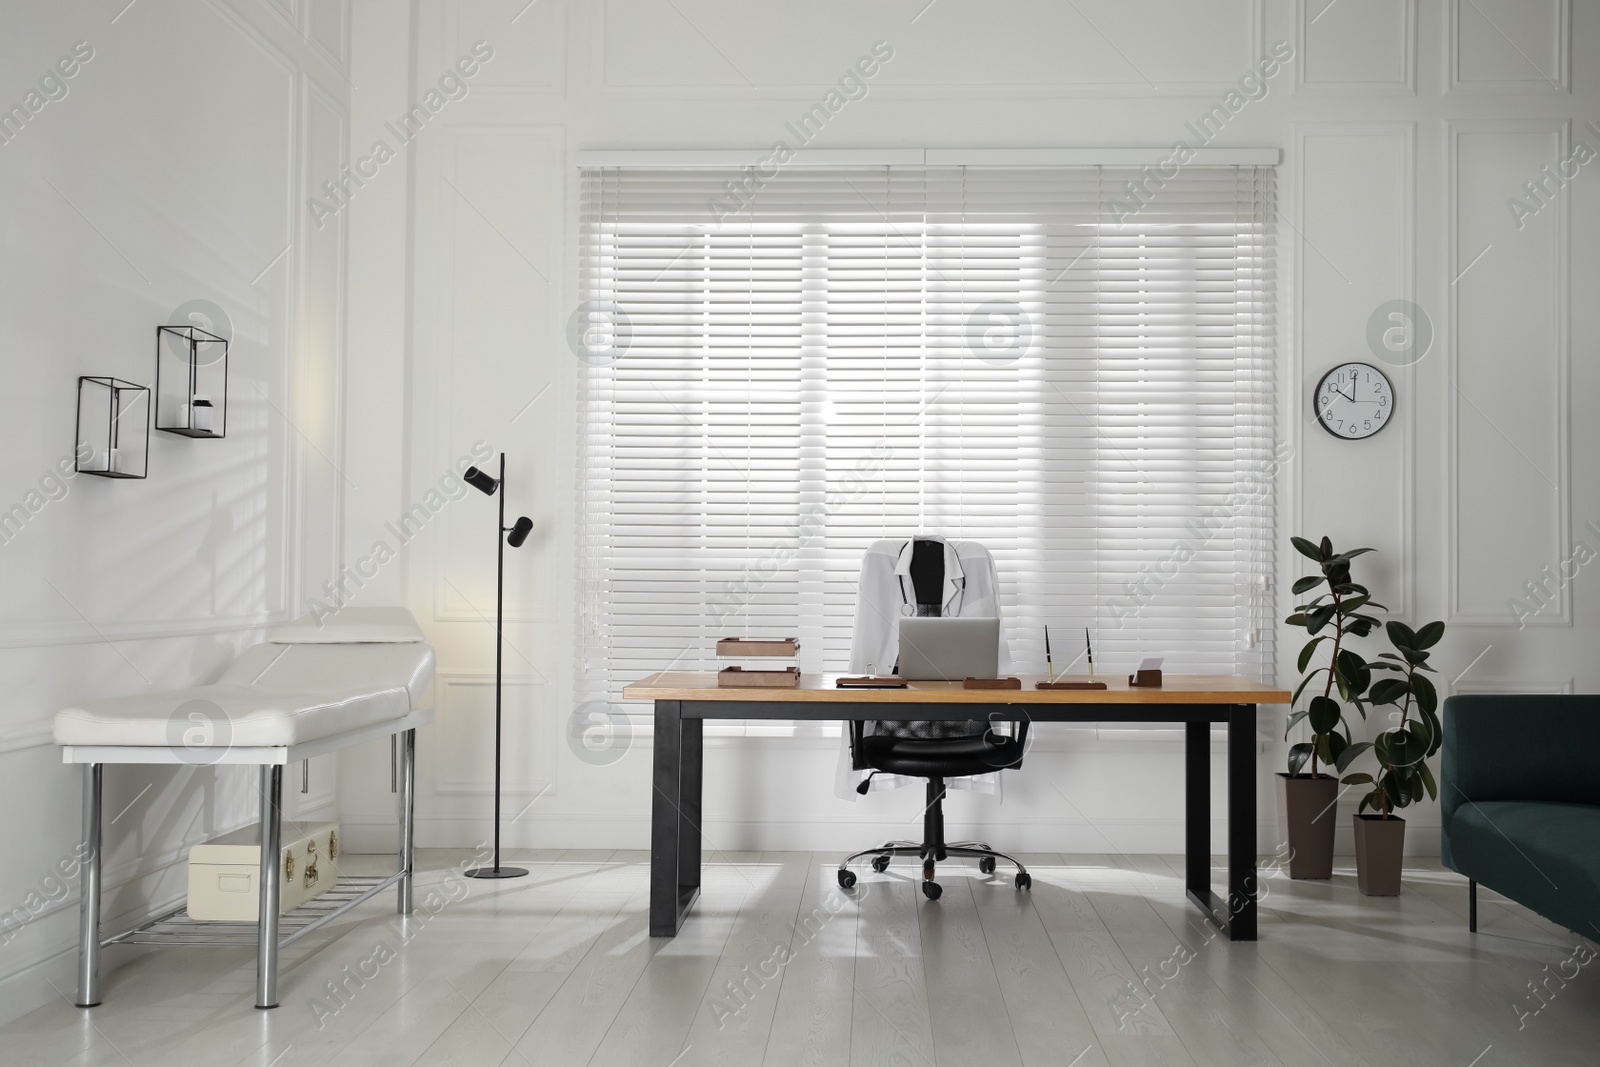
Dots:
(949, 649)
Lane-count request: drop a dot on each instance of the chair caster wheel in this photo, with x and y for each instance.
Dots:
(986, 865)
(880, 863)
(847, 879)
(931, 890)
(1024, 880)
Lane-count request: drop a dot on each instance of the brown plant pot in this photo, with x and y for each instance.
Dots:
(1307, 813)
(1380, 843)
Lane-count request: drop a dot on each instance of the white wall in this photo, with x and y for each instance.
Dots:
(173, 170)
(1405, 126)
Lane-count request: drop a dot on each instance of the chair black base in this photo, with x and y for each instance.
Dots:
(932, 849)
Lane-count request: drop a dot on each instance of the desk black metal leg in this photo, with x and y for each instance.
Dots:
(1197, 808)
(675, 818)
(1242, 885)
(89, 891)
(692, 735)
(1236, 915)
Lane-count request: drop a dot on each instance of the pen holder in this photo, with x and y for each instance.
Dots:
(1145, 680)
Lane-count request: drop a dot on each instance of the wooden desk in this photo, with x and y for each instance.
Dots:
(684, 700)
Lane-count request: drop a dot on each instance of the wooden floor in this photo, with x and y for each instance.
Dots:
(1102, 963)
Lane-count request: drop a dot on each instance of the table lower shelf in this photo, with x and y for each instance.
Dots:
(176, 928)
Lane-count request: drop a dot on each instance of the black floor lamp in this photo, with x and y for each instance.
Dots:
(513, 536)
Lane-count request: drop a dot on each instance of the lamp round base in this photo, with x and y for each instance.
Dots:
(496, 872)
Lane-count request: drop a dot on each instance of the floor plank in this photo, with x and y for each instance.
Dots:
(734, 1018)
(811, 1023)
(653, 1022)
(889, 1013)
(966, 1006)
(615, 950)
(1045, 1015)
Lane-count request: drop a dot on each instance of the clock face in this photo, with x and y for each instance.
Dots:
(1354, 400)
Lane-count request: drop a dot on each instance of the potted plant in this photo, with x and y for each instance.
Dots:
(1307, 799)
(1402, 753)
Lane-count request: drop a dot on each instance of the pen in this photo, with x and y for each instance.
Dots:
(1048, 668)
(1089, 649)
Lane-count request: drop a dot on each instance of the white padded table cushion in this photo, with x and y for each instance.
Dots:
(272, 695)
(350, 625)
(331, 668)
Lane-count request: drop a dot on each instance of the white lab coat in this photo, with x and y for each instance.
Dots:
(884, 595)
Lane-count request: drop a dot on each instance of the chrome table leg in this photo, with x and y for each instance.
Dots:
(407, 800)
(89, 881)
(267, 917)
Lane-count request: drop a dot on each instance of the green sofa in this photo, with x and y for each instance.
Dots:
(1520, 799)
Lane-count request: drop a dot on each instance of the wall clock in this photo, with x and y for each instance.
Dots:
(1354, 400)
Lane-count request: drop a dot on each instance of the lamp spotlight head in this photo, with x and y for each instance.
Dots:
(481, 481)
(519, 532)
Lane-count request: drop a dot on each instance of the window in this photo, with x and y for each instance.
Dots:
(1075, 370)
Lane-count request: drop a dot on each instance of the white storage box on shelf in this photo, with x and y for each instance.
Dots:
(224, 873)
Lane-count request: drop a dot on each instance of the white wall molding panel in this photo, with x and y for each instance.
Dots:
(1356, 47)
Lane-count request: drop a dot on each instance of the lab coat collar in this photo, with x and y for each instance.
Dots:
(954, 577)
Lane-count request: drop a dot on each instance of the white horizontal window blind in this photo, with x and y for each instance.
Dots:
(1073, 370)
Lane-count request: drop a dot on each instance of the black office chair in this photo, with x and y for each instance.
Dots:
(935, 751)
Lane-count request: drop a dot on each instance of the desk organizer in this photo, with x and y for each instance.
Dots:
(1145, 680)
(1087, 684)
(870, 682)
(739, 678)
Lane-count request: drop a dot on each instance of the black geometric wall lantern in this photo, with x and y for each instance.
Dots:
(112, 438)
(191, 382)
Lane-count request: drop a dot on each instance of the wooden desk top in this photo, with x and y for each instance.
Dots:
(819, 688)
